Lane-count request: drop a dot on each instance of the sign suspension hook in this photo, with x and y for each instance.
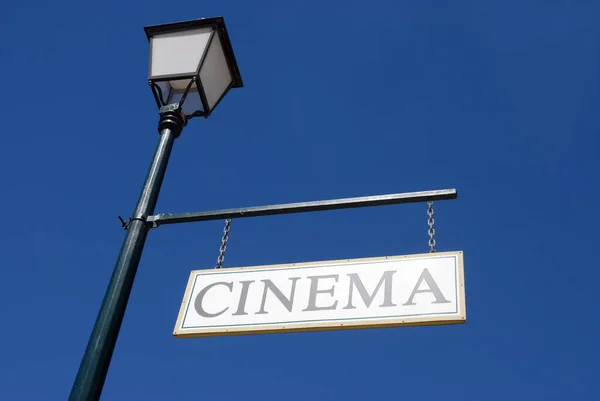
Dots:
(430, 222)
(223, 247)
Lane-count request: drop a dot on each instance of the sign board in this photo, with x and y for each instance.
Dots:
(424, 289)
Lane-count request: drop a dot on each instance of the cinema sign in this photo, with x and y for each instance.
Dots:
(425, 289)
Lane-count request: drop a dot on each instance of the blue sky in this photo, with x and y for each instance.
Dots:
(498, 99)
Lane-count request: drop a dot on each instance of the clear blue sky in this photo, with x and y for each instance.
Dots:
(498, 99)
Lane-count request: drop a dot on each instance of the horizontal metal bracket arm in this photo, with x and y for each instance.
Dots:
(302, 207)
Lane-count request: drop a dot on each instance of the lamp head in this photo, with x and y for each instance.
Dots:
(192, 63)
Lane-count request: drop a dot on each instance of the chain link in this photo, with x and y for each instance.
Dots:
(431, 222)
(223, 244)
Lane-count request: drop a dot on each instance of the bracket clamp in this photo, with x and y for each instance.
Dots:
(127, 223)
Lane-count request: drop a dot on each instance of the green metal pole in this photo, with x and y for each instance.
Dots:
(96, 360)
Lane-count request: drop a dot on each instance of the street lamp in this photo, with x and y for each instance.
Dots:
(192, 63)
(192, 67)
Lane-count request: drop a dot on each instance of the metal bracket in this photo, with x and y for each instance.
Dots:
(301, 207)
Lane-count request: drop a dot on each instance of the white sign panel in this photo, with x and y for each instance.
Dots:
(426, 289)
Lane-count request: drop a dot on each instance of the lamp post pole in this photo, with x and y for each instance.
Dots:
(96, 359)
(190, 60)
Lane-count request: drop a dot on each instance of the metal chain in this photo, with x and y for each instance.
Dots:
(223, 244)
(430, 222)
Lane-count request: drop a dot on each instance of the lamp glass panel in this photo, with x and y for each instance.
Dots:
(214, 74)
(180, 84)
(164, 88)
(193, 101)
(178, 52)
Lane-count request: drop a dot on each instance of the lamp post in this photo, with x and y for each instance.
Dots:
(192, 67)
